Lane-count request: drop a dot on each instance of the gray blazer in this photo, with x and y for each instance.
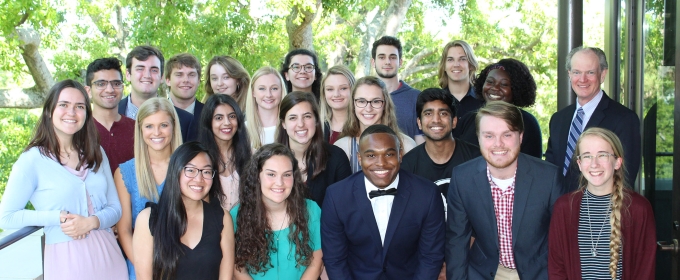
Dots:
(471, 213)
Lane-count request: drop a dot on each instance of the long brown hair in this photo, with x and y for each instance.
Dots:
(235, 70)
(352, 127)
(316, 155)
(254, 238)
(85, 140)
(618, 194)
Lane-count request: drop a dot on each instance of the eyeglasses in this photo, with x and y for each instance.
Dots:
(192, 172)
(375, 103)
(102, 84)
(599, 158)
(309, 68)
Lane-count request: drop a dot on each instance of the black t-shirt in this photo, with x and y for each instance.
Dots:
(418, 162)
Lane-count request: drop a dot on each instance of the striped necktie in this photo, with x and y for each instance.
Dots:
(574, 133)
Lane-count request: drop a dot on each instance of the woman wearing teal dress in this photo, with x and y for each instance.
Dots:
(277, 229)
(141, 179)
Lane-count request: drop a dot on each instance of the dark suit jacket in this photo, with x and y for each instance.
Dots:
(471, 213)
(185, 119)
(414, 240)
(195, 122)
(608, 114)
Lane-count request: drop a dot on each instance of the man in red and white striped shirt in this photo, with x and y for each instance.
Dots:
(504, 200)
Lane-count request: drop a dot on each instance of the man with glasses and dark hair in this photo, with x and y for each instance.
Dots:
(386, 59)
(587, 68)
(104, 85)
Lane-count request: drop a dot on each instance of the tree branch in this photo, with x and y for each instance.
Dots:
(412, 70)
(418, 57)
(425, 77)
(300, 34)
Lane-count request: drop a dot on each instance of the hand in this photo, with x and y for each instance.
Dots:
(77, 226)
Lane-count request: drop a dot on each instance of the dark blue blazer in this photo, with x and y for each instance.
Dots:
(195, 122)
(185, 119)
(414, 240)
(608, 114)
(471, 213)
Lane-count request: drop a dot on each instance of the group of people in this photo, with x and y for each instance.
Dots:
(292, 174)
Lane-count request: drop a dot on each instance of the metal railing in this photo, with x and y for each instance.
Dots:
(17, 235)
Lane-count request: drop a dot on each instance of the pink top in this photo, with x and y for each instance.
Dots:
(230, 188)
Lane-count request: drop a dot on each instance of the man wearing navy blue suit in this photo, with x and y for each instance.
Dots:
(183, 75)
(382, 223)
(587, 69)
(144, 70)
(504, 200)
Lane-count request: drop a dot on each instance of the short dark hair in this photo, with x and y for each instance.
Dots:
(107, 63)
(387, 40)
(511, 114)
(522, 82)
(433, 94)
(316, 85)
(380, 128)
(182, 59)
(142, 53)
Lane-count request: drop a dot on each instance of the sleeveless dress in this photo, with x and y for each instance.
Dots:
(97, 254)
(203, 261)
(138, 203)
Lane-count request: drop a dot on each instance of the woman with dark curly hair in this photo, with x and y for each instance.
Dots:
(300, 69)
(277, 229)
(507, 80)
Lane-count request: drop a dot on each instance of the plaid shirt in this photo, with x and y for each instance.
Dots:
(503, 205)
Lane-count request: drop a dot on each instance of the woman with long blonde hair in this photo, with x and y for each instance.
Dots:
(226, 75)
(265, 92)
(142, 179)
(336, 91)
(603, 230)
(371, 104)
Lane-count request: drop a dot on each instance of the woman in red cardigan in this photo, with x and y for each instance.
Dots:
(603, 230)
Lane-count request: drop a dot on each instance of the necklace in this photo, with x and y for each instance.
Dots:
(594, 243)
(278, 232)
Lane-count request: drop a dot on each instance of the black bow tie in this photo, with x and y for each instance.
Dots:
(390, 191)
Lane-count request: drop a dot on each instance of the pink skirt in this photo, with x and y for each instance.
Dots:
(95, 257)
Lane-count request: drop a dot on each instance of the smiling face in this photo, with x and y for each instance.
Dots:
(436, 121)
(157, 131)
(224, 123)
(497, 86)
(301, 81)
(380, 158)
(300, 124)
(267, 92)
(337, 91)
(368, 115)
(145, 77)
(221, 82)
(457, 65)
(498, 144)
(183, 83)
(598, 172)
(198, 187)
(108, 97)
(276, 179)
(68, 117)
(585, 75)
(386, 61)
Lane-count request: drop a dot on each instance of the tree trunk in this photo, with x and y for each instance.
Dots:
(35, 96)
(299, 26)
(381, 24)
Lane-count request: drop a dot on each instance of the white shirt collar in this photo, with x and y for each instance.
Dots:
(370, 187)
(189, 109)
(588, 108)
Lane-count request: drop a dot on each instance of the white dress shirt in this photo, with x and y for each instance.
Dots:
(588, 108)
(382, 205)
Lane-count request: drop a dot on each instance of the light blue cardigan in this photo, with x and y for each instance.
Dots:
(51, 188)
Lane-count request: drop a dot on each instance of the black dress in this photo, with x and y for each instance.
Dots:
(202, 262)
(337, 168)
